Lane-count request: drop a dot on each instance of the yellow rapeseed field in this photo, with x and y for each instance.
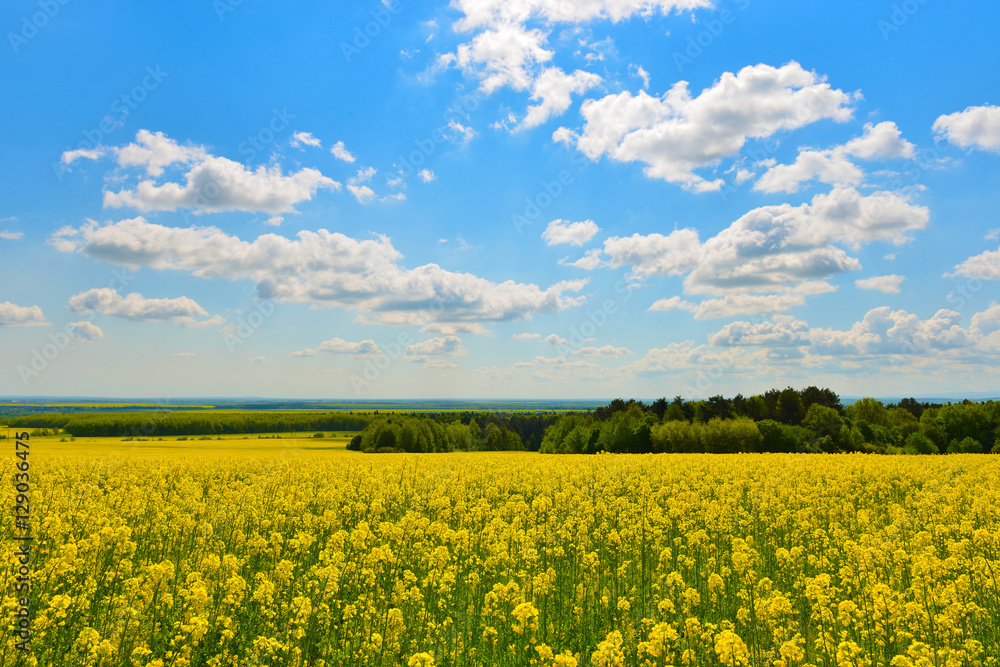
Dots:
(338, 558)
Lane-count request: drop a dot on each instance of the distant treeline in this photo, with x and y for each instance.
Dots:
(112, 424)
(528, 428)
(449, 432)
(789, 420)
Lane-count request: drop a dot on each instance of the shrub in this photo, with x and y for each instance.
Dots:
(965, 446)
(918, 443)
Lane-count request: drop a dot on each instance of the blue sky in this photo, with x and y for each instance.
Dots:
(544, 198)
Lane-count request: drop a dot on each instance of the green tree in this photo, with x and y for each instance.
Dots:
(965, 446)
(674, 413)
(789, 408)
(869, 410)
(823, 421)
(918, 443)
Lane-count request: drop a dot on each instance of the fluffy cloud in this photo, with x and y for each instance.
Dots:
(675, 134)
(885, 284)
(355, 185)
(552, 90)
(304, 139)
(976, 127)
(824, 166)
(882, 334)
(85, 331)
(879, 142)
(362, 193)
(574, 233)
(364, 348)
(459, 134)
(732, 304)
(220, 184)
(987, 321)
(339, 151)
(211, 183)
(884, 331)
(135, 307)
(444, 345)
(655, 254)
(590, 260)
(9, 235)
(426, 175)
(504, 51)
(984, 266)
(506, 54)
(21, 316)
(783, 332)
(320, 267)
(363, 175)
(154, 151)
(69, 157)
(526, 336)
(480, 13)
(773, 247)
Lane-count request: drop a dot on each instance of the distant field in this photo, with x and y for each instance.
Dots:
(222, 445)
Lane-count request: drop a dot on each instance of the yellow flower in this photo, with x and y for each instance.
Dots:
(420, 660)
(609, 652)
(526, 618)
(731, 649)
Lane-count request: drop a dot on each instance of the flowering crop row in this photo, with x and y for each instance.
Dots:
(516, 559)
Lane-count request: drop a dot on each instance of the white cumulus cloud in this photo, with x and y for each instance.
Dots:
(885, 284)
(322, 268)
(975, 127)
(678, 133)
(134, 306)
(21, 316)
(574, 233)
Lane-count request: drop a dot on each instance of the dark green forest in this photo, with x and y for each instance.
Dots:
(163, 424)
(789, 420)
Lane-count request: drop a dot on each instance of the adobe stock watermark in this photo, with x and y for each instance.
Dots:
(215, 182)
(223, 7)
(899, 16)
(912, 169)
(595, 320)
(33, 23)
(962, 295)
(47, 353)
(712, 30)
(118, 112)
(234, 335)
(381, 17)
(720, 367)
(376, 365)
(259, 140)
(549, 191)
(410, 163)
